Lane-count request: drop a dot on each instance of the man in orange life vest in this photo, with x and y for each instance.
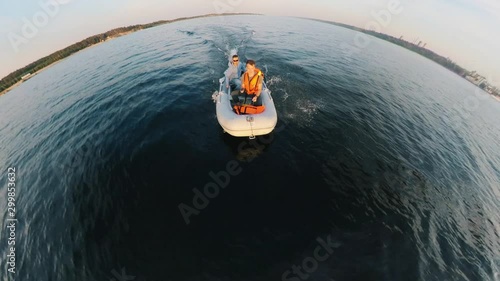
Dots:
(252, 81)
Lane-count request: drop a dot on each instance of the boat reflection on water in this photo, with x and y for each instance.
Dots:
(245, 149)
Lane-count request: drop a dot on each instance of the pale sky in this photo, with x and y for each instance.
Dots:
(467, 31)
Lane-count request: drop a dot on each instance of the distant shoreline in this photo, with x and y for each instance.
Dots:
(426, 53)
(14, 79)
(46, 67)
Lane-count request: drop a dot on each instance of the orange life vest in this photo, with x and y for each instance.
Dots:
(248, 109)
(250, 85)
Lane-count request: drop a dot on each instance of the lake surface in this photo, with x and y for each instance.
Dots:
(383, 165)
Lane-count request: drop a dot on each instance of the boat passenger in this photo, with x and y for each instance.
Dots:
(233, 73)
(252, 81)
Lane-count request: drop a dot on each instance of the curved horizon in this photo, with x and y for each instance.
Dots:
(465, 33)
(166, 21)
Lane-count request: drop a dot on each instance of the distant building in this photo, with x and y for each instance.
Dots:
(26, 77)
(419, 42)
(476, 79)
(488, 88)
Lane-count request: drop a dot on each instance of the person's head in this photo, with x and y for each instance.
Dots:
(251, 65)
(235, 59)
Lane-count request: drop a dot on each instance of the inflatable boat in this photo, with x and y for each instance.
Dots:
(242, 118)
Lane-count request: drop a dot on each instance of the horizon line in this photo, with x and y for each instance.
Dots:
(166, 21)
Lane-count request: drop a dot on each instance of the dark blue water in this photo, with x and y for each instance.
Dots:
(385, 156)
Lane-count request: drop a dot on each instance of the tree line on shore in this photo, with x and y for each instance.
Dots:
(446, 62)
(33, 67)
(449, 64)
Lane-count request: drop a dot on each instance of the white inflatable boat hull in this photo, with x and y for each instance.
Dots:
(248, 125)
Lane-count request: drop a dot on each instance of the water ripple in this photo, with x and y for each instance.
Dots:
(373, 151)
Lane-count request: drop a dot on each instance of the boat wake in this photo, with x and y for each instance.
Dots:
(273, 80)
(214, 96)
(293, 105)
(302, 112)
